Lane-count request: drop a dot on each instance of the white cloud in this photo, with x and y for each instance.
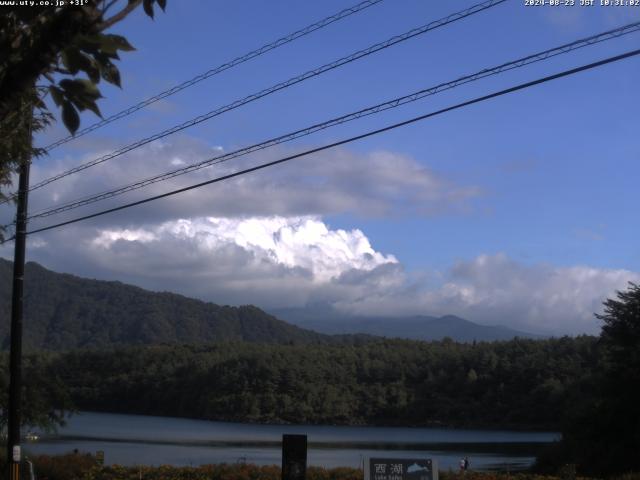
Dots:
(279, 262)
(332, 182)
(262, 239)
(270, 261)
(494, 289)
(304, 243)
(106, 238)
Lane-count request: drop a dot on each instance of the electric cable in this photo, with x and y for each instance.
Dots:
(499, 93)
(219, 69)
(280, 86)
(390, 104)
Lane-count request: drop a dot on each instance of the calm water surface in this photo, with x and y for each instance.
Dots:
(138, 439)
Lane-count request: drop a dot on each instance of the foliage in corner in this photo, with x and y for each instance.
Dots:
(63, 52)
(46, 399)
(58, 51)
(62, 43)
(602, 432)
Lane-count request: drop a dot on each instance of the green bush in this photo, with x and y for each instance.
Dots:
(85, 467)
(72, 466)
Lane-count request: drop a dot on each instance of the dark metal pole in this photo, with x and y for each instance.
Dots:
(15, 362)
(294, 457)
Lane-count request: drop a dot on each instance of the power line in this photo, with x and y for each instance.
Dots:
(280, 86)
(8, 239)
(219, 69)
(396, 102)
(521, 86)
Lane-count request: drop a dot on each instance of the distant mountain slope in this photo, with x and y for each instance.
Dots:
(327, 320)
(64, 311)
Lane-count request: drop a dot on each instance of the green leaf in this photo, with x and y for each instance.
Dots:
(81, 94)
(107, 54)
(89, 88)
(80, 88)
(117, 42)
(70, 117)
(71, 60)
(39, 104)
(110, 44)
(93, 106)
(57, 95)
(74, 60)
(147, 5)
(162, 4)
(111, 74)
(89, 44)
(92, 71)
(69, 85)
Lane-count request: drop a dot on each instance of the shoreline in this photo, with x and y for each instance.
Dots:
(435, 425)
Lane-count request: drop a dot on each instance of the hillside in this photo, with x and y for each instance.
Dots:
(514, 384)
(420, 327)
(64, 311)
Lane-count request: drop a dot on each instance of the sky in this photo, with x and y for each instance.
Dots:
(518, 211)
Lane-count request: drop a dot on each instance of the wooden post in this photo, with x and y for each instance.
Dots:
(294, 457)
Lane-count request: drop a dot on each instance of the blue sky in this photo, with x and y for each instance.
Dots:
(525, 199)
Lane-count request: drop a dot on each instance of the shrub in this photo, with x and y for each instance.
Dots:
(72, 466)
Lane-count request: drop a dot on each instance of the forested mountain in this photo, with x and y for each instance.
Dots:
(519, 383)
(325, 319)
(64, 312)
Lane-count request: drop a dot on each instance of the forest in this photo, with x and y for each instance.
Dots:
(586, 387)
(515, 384)
(64, 312)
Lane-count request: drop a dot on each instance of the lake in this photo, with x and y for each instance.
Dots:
(148, 440)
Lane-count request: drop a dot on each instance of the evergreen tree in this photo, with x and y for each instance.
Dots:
(604, 437)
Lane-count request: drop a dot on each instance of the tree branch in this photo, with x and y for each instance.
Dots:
(121, 15)
(108, 6)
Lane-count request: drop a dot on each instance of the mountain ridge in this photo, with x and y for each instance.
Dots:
(64, 311)
(327, 320)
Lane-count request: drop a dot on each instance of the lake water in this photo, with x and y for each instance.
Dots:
(147, 440)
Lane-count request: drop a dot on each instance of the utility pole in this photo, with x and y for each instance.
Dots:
(15, 362)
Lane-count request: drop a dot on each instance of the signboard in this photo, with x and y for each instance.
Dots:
(400, 469)
(16, 453)
(294, 457)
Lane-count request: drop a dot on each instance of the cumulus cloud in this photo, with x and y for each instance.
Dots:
(332, 182)
(494, 289)
(262, 239)
(295, 261)
(304, 243)
(270, 261)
